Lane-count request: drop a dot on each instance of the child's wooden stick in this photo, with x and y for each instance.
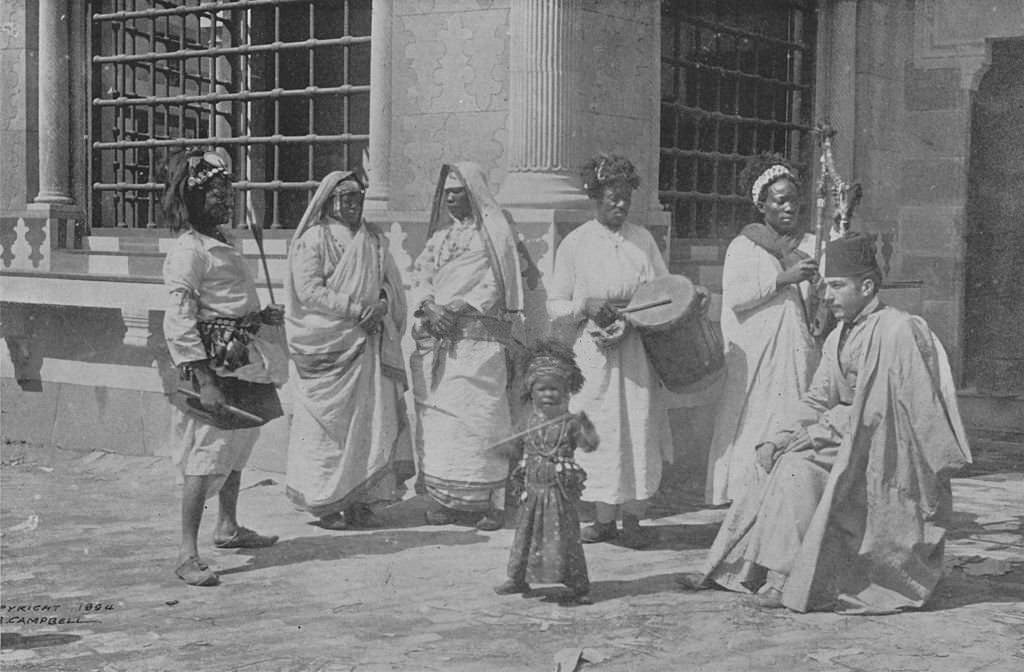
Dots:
(645, 306)
(515, 436)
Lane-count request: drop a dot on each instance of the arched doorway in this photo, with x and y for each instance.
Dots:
(994, 301)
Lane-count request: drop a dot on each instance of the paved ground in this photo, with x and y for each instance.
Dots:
(101, 530)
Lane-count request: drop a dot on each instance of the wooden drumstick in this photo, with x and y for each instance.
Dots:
(645, 306)
(233, 410)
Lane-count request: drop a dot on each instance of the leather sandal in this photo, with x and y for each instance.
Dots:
(440, 516)
(245, 538)
(492, 521)
(333, 521)
(598, 532)
(512, 587)
(693, 581)
(769, 599)
(362, 516)
(196, 573)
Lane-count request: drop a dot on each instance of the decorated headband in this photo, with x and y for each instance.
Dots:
(767, 177)
(204, 167)
(552, 361)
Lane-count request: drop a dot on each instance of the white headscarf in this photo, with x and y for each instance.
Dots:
(500, 237)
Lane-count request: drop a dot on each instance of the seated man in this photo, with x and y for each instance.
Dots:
(853, 512)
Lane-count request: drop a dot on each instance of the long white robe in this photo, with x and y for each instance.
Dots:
(349, 439)
(622, 393)
(462, 403)
(769, 355)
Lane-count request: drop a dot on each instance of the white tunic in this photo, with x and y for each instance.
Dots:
(622, 394)
(769, 357)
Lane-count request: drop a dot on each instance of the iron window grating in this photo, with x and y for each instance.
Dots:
(282, 85)
(736, 81)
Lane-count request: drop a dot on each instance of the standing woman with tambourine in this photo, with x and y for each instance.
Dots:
(770, 353)
(598, 268)
(228, 370)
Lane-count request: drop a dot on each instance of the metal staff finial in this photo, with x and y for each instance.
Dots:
(844, 196)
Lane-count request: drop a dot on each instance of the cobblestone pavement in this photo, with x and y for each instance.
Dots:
(90, 540)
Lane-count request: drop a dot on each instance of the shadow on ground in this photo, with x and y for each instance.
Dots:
(348, 545)
(14, 640)
(602, 591)
(960, 589)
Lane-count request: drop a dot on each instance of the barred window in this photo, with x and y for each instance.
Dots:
(736, 81)
(282, 85)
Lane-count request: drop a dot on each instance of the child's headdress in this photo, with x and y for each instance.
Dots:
(553, 358)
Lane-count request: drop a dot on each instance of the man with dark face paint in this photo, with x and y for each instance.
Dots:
(853, 514)
(212, 326)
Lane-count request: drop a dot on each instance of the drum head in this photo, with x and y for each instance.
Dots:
(677, 288)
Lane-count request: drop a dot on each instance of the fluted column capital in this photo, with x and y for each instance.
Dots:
(545, 41)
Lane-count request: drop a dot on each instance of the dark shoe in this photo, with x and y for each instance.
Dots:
(693, 581)
(333, 521)
(493, 520)
(245, 538)
(361, 515)
(573, 599)
(633, 536)
(440, 516)
(769, 599)
(195, 573)
(598, 532)
(512, 587)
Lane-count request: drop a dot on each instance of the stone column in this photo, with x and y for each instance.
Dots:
(136, 324)
(544, 105)
(54, 116)
(379, 151)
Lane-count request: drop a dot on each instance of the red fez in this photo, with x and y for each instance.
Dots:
(850, 256)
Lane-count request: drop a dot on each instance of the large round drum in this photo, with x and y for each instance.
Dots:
(682, 345)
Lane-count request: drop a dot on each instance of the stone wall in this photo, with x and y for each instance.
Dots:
(942, 63)
(18, 137)
(621, 100)
(449, 93)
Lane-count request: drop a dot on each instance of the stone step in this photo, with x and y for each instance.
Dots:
(161, 243)
(143, 264)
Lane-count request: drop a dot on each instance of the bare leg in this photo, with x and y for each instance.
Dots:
(227, 521)
(604, 528)
(193, 501)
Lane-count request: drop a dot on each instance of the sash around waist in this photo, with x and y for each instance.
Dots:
(470, 328)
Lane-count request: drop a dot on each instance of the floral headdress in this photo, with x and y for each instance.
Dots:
(555, 359)
(767, 177)
(603, 169)
(203, 167)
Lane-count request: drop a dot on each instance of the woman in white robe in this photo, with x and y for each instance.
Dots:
(350, 446)
(770, 354)
(598, 267)
(469, 298)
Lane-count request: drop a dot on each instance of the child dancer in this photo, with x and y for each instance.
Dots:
(547, 547)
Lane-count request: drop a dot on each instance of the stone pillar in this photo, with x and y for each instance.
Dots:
(379, 151)
(136, 325)
(54, 116)
(544, 105)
